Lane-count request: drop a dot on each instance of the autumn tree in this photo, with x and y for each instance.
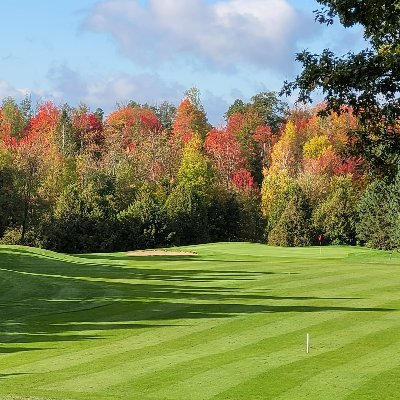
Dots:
(274, 184)
(190, 118)
(195, 170)
(89, 130)
(243, 127)
(14, 118)
(287, 152)
(367, 81)
(225, 153)
(29, 155)
(271, 111)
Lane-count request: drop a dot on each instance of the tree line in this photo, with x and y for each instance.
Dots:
(74, 180)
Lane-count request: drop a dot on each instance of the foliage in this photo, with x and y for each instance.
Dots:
(274, 184)
(336, 217)
(10, 199)
(82, 221)
(316, 147)
(289, 223)
(195, 171)
(190, 118)
(76, 180)
(251, 221)
(14, 118)
(243, 128)
(379, 213)
(270, 109)
(225, 153)
(224, 217)
(187, 215)
(165, 112)
(145, 219)
(368, 81)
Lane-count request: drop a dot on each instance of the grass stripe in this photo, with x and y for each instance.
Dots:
(227, 324)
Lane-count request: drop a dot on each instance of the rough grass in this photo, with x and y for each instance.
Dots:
(229, 323)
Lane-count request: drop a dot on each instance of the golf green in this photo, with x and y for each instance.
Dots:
(229, 322)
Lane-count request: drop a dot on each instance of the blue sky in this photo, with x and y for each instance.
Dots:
(106, 52)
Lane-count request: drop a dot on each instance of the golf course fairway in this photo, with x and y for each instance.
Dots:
(228, 322)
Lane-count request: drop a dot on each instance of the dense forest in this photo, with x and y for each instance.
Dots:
(74, 180)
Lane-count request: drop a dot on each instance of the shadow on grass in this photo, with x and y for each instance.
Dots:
(3, 376)
(57, 266)
(57, 298)
(11, 350)
(164, 257)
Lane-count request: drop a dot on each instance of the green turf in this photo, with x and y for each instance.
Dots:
(229, 323)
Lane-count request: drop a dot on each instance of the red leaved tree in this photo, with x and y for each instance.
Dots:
(225, 153)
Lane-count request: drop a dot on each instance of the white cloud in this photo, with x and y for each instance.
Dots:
(7, 90)
(220, 34)
(106, 91)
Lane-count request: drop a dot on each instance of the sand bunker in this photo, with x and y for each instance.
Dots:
(144, 253)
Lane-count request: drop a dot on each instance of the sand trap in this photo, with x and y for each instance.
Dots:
(144, 253)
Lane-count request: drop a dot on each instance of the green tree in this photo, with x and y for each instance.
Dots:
(66, 135)
(238, 106)
(270, 109)
(11, 203)
(289, 223)
(165, 112)
(82, 221)
(148, 214)
(187, 214)
(224, 217)
(336, 217)
(379, 215)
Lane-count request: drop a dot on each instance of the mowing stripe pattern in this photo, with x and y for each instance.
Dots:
(228, 323)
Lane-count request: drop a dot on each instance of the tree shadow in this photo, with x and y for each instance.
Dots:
(60, 267)
(5, 376)
(11, 350)
(64, 299)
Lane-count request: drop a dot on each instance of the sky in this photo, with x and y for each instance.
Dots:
(108, 52)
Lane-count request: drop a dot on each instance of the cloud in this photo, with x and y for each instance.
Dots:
(7, 90)
(19, 94)
(105, 92)
(220, 34)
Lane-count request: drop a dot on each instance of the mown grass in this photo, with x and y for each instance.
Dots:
(229, 323)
